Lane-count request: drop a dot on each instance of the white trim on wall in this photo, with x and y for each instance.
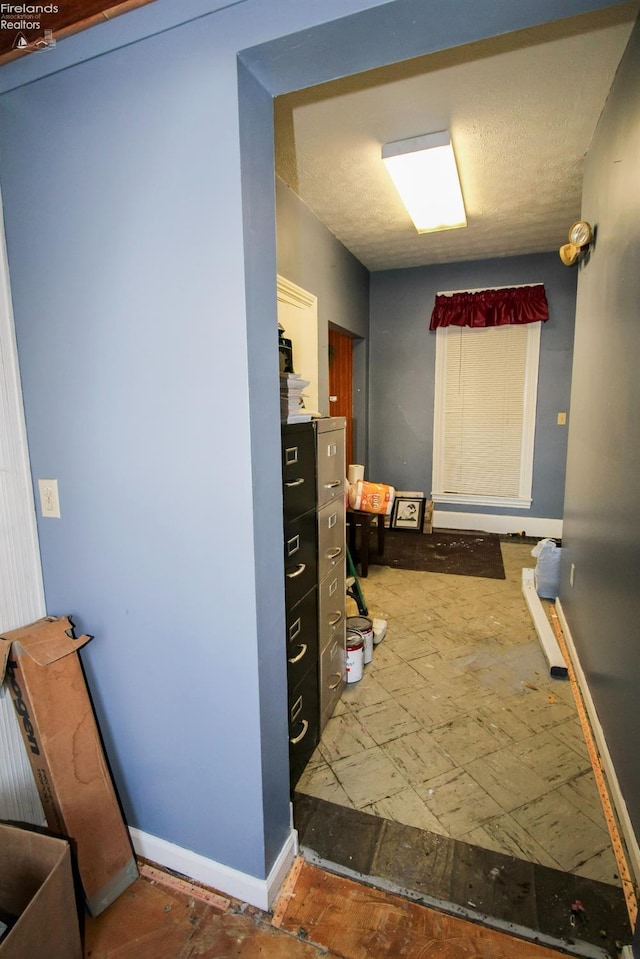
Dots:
(490, 523)
(606, 762)
(21, 589)
(232, 882)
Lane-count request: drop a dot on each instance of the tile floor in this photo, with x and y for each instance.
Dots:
(457, 728)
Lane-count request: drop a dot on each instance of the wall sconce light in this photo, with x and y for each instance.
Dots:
(424, 173)
(580, 236)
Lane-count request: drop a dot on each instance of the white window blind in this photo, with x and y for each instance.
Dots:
(486, 385)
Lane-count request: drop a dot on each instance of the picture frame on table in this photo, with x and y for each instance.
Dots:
(408, 513)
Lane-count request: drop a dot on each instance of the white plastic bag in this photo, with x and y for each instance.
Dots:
(547, 571)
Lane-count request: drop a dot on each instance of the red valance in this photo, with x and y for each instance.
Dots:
(513, 305)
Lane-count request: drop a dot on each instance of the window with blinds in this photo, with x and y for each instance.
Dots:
(484, 415)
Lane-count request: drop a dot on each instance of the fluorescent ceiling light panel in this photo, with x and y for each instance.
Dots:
(425, 175)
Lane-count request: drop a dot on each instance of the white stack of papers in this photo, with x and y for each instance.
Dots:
(292, 399)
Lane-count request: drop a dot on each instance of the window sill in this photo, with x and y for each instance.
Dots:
(470, 499)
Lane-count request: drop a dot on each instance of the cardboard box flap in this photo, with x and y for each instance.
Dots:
(46, 641)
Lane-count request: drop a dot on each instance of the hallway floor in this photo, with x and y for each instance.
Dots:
(456, 727)
(322, 915)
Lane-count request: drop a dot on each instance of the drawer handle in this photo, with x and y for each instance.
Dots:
(297, 739)
(300, 568)
(332, 485)
(295, 482)
(335, 620)
(333, 553)
(337, 682)
(303, 648)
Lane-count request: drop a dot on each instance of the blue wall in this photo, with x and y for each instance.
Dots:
(142, 258)
(311, 256)
(123, 210)
(602, 503)
(402, 370)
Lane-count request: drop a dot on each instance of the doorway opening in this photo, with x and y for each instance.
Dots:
(341, 383)
(400, 597)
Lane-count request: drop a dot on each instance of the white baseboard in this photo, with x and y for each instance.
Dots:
(490, 523)
(615, 792)
(238, 885)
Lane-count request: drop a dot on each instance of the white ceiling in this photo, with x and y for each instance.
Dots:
(521, 108)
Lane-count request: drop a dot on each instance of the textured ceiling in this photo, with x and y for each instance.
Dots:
(521, 109)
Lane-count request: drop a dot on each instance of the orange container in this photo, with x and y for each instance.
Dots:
(371, 497)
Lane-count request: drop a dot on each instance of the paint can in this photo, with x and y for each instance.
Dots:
(364, 626)
(355, 656)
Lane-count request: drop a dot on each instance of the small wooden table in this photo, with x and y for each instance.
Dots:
(358, 519)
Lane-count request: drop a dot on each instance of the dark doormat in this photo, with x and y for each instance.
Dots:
(465, 554)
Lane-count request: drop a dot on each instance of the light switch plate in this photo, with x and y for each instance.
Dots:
(49, 499)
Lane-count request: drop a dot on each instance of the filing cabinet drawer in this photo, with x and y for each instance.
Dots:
(330, 467)
(298, 470)
(332, 676)
(304, 728)
(331, 536)
(299, 557)
(302, 637)
(331, 601)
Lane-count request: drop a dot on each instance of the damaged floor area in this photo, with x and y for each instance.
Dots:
(450, 811)
(319, 915)
(457, 728)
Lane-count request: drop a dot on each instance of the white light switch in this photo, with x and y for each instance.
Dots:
(562, 419)
(49, 499)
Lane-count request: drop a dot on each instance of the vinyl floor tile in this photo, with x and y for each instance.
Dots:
(504, 719)
(399, 678)
(582, 792)
(321, 781)
(344, 736)
(458, 802)
(602, 867)
(491, 734)
(465, 739)
(367, 692)
(430, 707)
(564, 830)
(387, 721)
(419, 757)
(507, 778)
(504, 834)
(368, 777)
(407, 808)
(552, 760)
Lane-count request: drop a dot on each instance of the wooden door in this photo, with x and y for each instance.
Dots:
(341, 383)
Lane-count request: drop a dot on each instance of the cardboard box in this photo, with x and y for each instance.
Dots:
(37, 897)
(45, 679)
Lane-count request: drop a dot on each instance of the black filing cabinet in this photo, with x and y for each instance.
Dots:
(301, 592)
(313, 473)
